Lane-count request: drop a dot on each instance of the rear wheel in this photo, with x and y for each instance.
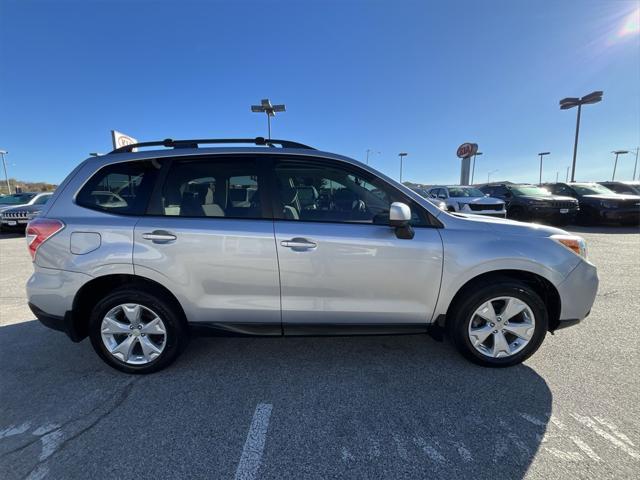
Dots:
(499, 325)
(136, 331)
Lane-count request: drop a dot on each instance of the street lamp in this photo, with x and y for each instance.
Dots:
(635, 165)
(489, 175)
(566, 178)
(615, 165)
(4, 165)
(542, 154)
(266, 107)
(401, 155)
(570, 102)
(473, 169)
(370, 151)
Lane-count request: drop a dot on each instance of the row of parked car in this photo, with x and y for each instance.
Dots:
(16, 210)
(560, 203)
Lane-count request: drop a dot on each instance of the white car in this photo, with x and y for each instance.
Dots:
(465, 199)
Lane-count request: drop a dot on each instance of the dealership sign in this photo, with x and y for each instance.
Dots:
(467, 150)
(121, 140)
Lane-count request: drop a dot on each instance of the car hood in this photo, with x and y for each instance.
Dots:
(509, 227)
(608, 196)
(8, 207)
(24, 208)
(477, 200)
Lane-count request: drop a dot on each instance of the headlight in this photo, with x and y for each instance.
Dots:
(576, 244)
(607, 204)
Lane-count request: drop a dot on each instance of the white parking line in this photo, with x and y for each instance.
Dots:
(253, 447)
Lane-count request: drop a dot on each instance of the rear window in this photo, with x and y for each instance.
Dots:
(122, 188)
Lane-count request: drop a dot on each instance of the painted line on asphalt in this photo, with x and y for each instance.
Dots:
(253, 447)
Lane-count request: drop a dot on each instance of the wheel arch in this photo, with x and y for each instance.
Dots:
(94, 290)
(543, 287)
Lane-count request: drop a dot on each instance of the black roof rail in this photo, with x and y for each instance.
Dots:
(170, 143)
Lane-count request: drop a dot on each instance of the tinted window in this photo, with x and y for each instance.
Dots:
(16, 199)
(119, 188)
(212, 188)
(591, 189)
(324, 192)
(465, 192)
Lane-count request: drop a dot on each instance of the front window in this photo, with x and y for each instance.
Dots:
(321, 192)
(465, 192)
(591, 189)
(530, 191)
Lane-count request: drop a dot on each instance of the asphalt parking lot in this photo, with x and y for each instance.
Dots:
(353, 407)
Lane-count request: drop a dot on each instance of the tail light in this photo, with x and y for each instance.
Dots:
(39, 230)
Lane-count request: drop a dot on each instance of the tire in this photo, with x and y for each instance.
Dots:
(170, 342)
(463, 314)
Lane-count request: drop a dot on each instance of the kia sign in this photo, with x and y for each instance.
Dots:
(467, 150)
(121, 140)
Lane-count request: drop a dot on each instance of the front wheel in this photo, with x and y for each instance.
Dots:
(136, 331)
(499, 325)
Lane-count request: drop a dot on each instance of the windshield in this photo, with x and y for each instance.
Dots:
(591, 189)
(465, 192)
(530, 191)
(16, 199)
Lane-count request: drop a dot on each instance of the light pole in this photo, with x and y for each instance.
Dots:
(635, 165)
(557, 173)
(368, 152)
(570, 102)
(542, 154)
(473, 169)
(266, 107)
(489, 175)
(615, 165)
(566, 178)
(4, 165)
(401, 155)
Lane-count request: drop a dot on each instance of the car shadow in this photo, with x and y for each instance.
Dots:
(609, 229)
(342, 407)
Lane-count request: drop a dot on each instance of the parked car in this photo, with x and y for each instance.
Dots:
(367, 256)
(598, 204)
(424, 193)
(624, 188)
(28, 207)
(465, 199)
(530, 203)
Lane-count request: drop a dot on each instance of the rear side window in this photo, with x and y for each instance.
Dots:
(228, 188)
(122, 188)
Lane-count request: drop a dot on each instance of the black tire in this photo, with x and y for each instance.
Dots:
(461, 315)
(177, 335)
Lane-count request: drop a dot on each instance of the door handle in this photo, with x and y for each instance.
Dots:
(159, 236)
(299, 244)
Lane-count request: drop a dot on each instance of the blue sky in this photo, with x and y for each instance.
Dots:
(420, 77)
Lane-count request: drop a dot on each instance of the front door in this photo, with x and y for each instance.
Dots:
(341, 264)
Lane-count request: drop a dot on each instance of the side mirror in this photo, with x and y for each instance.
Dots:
(399, 218)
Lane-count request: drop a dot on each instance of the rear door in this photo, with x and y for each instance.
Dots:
(341, 264)
(208, 237)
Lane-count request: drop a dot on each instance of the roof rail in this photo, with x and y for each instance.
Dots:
(170, 143)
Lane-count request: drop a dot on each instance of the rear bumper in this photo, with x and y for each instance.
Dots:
(577, 294)
(62, 324)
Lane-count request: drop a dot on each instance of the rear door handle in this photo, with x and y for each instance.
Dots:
(299, 244)
(159, 236)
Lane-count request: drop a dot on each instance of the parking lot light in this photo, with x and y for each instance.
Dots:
(401, 155)
(266, 107)
(615, 164)
(570, 102)
(542, 154)
(4, 165)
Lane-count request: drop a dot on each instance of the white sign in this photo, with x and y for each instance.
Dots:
(122, 140)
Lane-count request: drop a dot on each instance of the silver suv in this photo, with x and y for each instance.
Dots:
(138, 249)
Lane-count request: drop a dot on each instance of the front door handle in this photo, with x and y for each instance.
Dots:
(299, 244)
(159, 236)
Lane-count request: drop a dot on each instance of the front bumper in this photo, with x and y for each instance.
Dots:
(577, 294)
(553, 213)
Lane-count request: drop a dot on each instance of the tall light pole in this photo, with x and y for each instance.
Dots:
(368, 152)
(266, 107)
(566, 178)
(4, 165)
(570, 102)
(615, 165)
(401, 155)
(473, 169)
(490, 173)
(542, 154)
(557, 173)
(635, 165)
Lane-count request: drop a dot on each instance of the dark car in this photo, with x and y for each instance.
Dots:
(624, 188)
(16, 218)
(529, 203)
(599, 205)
